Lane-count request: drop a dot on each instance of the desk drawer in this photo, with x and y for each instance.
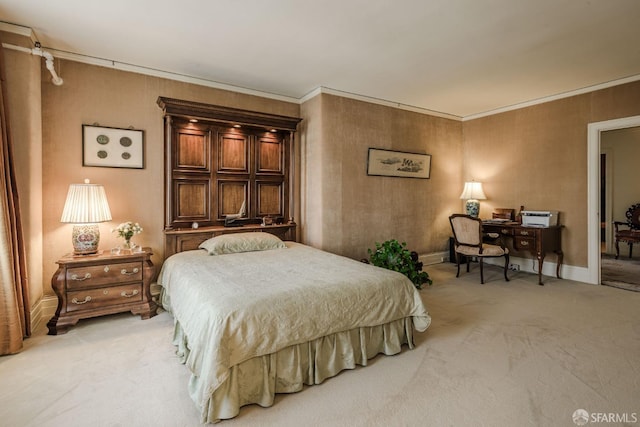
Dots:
(506, 231)
(496, 228)
(526, 243)
(525, 232)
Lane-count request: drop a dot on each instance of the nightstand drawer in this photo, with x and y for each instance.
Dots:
(96, 275)
(101, 297)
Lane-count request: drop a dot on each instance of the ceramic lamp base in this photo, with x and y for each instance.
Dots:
(85, 239)
(473, 207)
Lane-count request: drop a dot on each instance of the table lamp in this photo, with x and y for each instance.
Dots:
(85, 207)
(472, 192)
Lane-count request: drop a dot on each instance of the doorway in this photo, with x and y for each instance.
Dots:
(595, 218)
(619, 154)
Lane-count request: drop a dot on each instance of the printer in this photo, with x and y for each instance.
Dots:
(539, 218)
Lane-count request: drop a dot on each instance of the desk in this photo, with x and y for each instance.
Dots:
(536, 240)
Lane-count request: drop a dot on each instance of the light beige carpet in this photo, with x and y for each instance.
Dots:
(499, 354)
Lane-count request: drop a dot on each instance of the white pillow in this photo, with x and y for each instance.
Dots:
(242, 242)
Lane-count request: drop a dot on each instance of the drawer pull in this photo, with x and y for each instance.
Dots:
(86, 300)
(124, 293)
(524, 233)
(524, 243)
(106, 268)
(129, 273)
(80, 279)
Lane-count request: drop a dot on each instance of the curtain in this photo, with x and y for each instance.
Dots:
(15, 322)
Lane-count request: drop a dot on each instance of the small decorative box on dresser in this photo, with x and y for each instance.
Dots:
(95, 285)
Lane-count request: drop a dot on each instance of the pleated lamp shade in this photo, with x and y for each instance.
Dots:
(85, 207)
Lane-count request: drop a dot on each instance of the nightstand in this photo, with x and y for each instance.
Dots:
(95, 285)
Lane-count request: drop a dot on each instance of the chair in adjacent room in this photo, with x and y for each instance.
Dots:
(468, 242)
(630, 234)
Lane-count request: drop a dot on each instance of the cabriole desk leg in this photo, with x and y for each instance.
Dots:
(540, 262)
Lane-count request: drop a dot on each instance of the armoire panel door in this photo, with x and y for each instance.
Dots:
(192, 200)
(231, 195)
(192, 150)
(270, 153)
(233, 152)
(270, 198)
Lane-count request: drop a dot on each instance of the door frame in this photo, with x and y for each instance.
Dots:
(593, 189)
(608, 204)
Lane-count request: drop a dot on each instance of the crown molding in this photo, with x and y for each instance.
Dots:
(18, 29)
(372, 100)
(123, 66)
(86, 59)
(546, 99)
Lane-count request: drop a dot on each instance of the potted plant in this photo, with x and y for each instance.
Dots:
(393, 255)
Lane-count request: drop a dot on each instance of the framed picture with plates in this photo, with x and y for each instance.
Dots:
(112, 147)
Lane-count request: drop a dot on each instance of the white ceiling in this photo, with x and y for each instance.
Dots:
(459, 57)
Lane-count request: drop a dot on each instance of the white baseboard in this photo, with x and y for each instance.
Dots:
(434, 258)
(42, 311)
(529, 265)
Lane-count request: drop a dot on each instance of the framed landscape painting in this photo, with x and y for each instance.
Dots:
(398, 163)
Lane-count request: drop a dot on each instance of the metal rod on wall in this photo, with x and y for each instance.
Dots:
(55, 79)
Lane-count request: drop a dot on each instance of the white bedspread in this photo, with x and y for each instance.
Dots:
(239, 306)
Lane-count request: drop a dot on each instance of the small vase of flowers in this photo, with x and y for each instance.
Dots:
(127, 230)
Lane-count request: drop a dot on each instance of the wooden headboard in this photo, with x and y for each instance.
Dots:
(218, 159)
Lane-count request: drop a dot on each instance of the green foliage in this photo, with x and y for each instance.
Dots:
(393, 255)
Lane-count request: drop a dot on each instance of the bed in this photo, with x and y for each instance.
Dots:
(261, 316)
(255, 316)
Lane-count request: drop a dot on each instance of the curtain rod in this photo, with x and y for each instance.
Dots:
(55, 79)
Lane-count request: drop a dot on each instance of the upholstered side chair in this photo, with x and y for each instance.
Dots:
(468, 242)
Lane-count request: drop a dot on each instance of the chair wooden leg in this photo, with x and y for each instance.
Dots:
(506, 266)
(630, 250)
(481, 271)
(468, 262)
(617, 250)
(458, 262)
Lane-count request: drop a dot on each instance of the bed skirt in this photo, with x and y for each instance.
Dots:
(257, 380)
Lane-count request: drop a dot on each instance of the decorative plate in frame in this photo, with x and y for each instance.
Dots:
(112, 147)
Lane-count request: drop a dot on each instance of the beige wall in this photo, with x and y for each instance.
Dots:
(92, 94)
(537, 157)
(348, 211)
(311, 184)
